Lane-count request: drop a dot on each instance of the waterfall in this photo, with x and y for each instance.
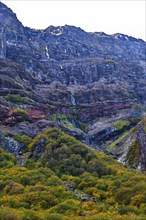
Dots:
(72, 99)
(47, 52)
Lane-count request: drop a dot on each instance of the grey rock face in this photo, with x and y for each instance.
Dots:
(69, 54)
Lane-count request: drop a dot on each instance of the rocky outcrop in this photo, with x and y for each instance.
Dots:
(129, 147)
(141, 136)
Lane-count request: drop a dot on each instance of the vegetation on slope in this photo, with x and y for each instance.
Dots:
(64, 179)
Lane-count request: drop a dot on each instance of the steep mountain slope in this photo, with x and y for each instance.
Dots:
(81, 82)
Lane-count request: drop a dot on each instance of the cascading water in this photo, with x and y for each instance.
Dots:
(72, 98)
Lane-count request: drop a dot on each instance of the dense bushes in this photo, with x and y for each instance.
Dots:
(22, 139)
(64, 179)
(6, 159)
(64, 154)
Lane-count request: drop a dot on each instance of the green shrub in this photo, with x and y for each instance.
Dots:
(6, 159)
(20, 112)
(133, 155)
(53, 216)
(120, 124)
(128, 209)
(22, 139)
(17, 99)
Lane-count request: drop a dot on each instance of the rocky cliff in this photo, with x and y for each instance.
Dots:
(84, 83)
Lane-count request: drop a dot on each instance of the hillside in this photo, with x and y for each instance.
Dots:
(61, 178)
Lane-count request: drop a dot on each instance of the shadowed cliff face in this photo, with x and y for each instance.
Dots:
(82, 82)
